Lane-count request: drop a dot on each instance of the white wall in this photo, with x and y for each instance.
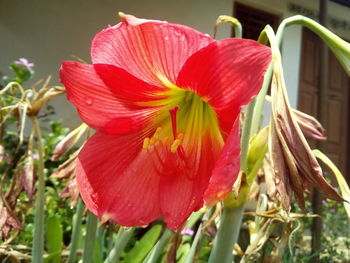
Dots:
(48, 32)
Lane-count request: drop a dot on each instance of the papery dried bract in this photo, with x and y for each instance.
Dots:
(27, 175)
(290, 153)
(68, 142)
(8, 220)
(309, 125)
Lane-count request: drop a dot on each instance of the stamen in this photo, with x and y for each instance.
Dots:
(172, 112)
(155, 136)
(146, 143)
(175, 145)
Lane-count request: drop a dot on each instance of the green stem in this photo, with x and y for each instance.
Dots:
(39, 217)
(192, 253)
(76, 232)
(238, 30)
(90, 237)
(321, 31)
(227, 235)
(229, 227)
(260, 99)
(246, 135)
(123, 238)
(159, 247)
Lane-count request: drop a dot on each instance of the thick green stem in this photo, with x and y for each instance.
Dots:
(90, 237)
(123, 238)
(229, 228)
(227, 235)
(39, 217)
(76, 232)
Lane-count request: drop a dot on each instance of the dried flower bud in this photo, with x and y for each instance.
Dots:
(309, 125)
(293, 161)
(27, 175)
(68, 142)
(66, 169)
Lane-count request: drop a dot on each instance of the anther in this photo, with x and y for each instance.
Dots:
(146, 143)
(175, 145)
(157, 133)
(172, 112)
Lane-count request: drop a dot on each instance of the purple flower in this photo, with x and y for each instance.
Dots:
(187, 231)
(25, 63)
(324, 202)
(35, 156)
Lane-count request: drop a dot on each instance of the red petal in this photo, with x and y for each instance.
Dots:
(118, 180)
(226, 168)
(227, 74)
(184, 180)
(147, 49)
(126, 87)
(98, 104)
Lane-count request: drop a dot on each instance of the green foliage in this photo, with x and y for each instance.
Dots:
(143, 246)
(21, 72)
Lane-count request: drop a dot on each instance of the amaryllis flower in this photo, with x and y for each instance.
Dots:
(164, 100)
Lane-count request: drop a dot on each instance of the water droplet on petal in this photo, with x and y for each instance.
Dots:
(94, 197)
(88, 102)
(177, 33)
(166, 38)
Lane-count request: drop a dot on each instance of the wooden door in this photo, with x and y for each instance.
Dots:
(254, 20)
(337, 119)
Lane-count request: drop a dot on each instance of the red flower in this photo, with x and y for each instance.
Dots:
(164, 100)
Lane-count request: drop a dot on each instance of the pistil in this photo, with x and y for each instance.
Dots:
(172, 112)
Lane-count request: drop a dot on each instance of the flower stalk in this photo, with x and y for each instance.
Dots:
(39, 218)
(230, 224)
(123, 238)
(76, 232)
(90, 237)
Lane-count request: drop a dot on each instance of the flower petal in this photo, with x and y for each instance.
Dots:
(226, 168)
(128, 89)
(151, 50)
(118, 180)
(185, 179)
(98, 104)
(226, 74)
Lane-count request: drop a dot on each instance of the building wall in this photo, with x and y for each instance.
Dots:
(49, 32)
(291, 45)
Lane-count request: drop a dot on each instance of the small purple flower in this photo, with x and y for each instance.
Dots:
(35, 156)
(25, 63)
(324, 202)
(187, 231)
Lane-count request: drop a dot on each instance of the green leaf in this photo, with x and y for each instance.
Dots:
(339, 47)
(182, 253)
(143, 246)
(54, 236)
(344, 188)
